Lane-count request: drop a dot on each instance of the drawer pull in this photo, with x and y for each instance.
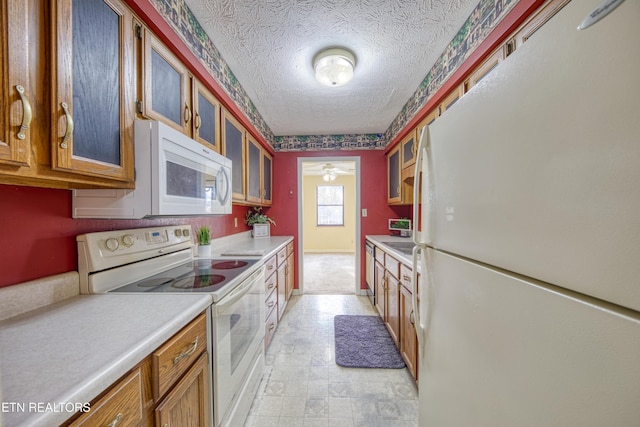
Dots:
(271, 285)
(272, 327)
(270, 267)
(115, 421)
(187, 353)
(405, 277)
(271, 304)
(26, 113)
(69, 132)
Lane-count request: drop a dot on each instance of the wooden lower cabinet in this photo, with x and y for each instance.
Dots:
(279, 282)
(393, 309)
(395, 306)
(122, 405)
(171, 394)
(381, 289)
(409, 339)
(188, 403)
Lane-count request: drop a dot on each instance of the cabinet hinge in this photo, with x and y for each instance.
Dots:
(139, 106)
(139, 31)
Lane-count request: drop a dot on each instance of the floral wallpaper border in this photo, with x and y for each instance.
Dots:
(482, 20)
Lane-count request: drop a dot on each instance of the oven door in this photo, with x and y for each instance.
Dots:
(238, 329)
(190, 178)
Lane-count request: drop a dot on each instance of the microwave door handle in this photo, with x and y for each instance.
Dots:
(222, 185)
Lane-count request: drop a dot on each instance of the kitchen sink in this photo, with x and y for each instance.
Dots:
(403, 247)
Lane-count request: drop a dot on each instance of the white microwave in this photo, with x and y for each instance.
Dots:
(175, 176)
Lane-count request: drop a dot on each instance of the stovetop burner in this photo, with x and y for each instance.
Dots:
(193, 276)
(228, 265)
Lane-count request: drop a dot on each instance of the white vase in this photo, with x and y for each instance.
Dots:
(204, 251)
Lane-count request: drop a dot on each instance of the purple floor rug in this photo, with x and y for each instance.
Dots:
(364, 342)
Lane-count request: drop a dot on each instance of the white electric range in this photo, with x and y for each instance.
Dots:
(160, 260)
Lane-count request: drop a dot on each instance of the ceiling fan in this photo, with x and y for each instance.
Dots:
(329, 172)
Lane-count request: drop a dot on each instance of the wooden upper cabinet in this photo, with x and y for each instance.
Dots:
(233, 147)
(165, 86)
(450, 99)
(489, 64)
(394, 172)
(16, 95)
(254, 171)
(206, 116)
(409, 149)
(267, 178)
(93, 88)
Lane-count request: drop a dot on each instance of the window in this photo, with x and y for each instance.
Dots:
(330, 201)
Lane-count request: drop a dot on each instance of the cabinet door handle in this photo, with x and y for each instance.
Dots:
(187, 113)
(187, 353)
(27, 113)
(412, 318)
(69, 131)
(116, 420)
(198, 121)
(398, 189)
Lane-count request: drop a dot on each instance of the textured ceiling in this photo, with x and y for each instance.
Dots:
(270, 44)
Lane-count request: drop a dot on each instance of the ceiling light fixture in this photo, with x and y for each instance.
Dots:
(334, 67)
(329, 172)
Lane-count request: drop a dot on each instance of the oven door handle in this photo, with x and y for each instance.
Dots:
(241, 290)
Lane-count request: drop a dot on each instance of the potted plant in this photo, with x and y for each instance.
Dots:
(203, 234)
(260, 222)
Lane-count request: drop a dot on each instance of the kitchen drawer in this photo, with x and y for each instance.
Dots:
(282, 256)
(121, 406)
(290, 248)
(393, 266)
(379, 255)
(175, 357)
(271, 302)
(270, 326)
(270, 267)
(405, 277)
(270, 284)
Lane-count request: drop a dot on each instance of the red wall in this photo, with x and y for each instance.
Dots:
(38, 233)
(373, 178)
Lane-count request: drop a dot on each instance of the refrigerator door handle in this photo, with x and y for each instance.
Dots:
(419, 315)
(422, 187)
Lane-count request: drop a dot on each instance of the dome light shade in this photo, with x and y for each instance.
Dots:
(334, 67)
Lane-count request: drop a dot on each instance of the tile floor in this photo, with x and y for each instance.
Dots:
(303, 386)
(342, 278)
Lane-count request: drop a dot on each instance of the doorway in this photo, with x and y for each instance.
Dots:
(329, 225)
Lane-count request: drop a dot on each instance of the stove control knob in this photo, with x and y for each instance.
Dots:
(185, 232)
(178, 232)
(128, 240)
(111, 244)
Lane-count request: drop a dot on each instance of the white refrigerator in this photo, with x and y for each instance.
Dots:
(528, 235)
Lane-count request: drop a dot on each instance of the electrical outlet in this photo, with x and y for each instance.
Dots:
(364, 213)
(235, 222)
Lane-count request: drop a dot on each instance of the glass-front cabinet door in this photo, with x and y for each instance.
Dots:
(409, 149)
(166, 94)
(15, 92)
(267, 180)
(93, 89)
(393, 175)
(206, 117)
(233, 148)
(254, 171)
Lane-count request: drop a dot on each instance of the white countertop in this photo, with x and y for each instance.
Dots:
(72, 351)
(379, 240)
(243, 246)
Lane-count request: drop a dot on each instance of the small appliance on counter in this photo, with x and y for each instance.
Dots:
(400, 226)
